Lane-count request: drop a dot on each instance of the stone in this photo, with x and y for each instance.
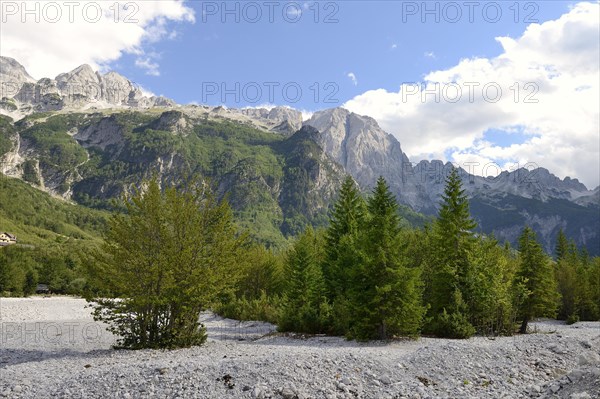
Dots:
(257, 393)
(585, 344)
(575, 375)
(589, 358)
(288, 393)
(580, 395)
(386, 380)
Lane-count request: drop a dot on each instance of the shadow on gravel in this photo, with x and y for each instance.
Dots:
(11, 357)
(293, 339)
(263, 333)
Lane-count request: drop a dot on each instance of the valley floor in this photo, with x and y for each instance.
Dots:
(51, 347)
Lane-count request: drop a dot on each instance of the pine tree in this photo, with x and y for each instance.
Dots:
(305, 308)
(588, 292)
(453, 242)
(454, 218)
(386, 293)
(345, 222)
(537, 277)
(488, 288)
(567, 264)
(562, 245)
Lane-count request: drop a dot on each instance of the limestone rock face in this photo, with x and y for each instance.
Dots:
(13, 73)
(174, 122)
(105, 133)
(117, 89)
(81, 81)
(81, 88)
(286, 114)
(366, 152)
(284, 119)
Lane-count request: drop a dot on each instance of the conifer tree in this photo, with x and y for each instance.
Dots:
(453, 240)
(567, 264)
(537, 277)
(386, 293)
(488, 288)
(345, 222)
(305, 308)
(587, 300)
(562, 245)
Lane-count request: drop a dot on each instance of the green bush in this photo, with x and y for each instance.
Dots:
(169, 257)
(265, 308)
(572, 319)
(453, 325)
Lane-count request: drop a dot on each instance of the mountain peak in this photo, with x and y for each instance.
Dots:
(83, 69)
(114, 75)
(78, 89)
(83, 74)
(12, 71)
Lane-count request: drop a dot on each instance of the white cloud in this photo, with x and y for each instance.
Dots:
(394, 46)
(148, 63)
(306, 114)
(352, 77)
(267, 106)
(549, 80)
(146, 92)
(47, 49)
(429, 54)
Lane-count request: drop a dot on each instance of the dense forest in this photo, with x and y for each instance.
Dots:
(54, 238)
(367, 275)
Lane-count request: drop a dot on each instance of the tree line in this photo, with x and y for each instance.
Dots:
(176, 251)
(365, 277)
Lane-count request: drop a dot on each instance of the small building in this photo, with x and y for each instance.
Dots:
(7, 239)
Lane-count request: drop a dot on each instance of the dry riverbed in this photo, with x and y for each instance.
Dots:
(52, 348)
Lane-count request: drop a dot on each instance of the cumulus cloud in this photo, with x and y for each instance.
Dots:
(53, 37)
(545, 84)
(306, 114)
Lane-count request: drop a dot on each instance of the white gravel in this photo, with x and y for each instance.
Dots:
(51, 347)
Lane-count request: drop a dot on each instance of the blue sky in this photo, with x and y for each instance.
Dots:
(383, 43)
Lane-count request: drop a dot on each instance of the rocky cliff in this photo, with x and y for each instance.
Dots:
(82, 88)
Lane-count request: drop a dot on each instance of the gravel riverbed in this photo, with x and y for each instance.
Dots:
(52, 348)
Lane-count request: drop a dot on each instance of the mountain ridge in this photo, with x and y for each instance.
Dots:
(354, 142)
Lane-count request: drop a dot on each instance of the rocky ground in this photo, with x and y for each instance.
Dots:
(51, 347)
